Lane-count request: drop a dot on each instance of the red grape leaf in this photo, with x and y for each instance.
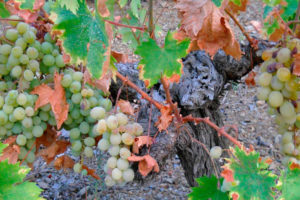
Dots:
(165, 119)
(125, 107)
(140, 142)
(146, 164)
(234, 8)
(56, 98)
(208, 29)
(64, 162)
(11, 152)
(250, 80)
(91, 172)
(296, 69)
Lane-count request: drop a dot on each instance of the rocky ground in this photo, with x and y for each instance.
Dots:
(239, 107)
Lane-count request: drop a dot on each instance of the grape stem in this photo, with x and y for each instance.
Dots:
(126, 26)
(297, 15)
(118, 96)
(28, 152)
(14, 20)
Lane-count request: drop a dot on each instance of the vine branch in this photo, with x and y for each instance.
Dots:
(126, 26)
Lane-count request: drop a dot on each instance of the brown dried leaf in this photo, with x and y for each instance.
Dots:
(140, 141)
(234, 8)
(120, 57)
(56, 97)
(208, 29)
(296, 69)
(165, 119)
(12, 151)
(64, 162)
(49, 136)
(125, 107)
(53, 150)
(103, 83)
(250, 80)
(91, 172)
(103, 11)
(146, 164)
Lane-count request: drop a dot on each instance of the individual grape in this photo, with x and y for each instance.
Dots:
(138, 129)
(265, 79)
(106, 104)
(114, 150)
(283, 55)
(29, 37)
(17, 52)
(24, 59)
(272, 67)
(22, 99)
(122, 164)
(47, 48)
(19, 113)
(125, 153)
(55, 53)
(93, 102)
(290, 120)
(1, 101)
(89, 141)
(27, 122)
(128, 175)
(11, 34)
(288, 148)
(28, 75)
(5, 49)
(30, 157)
(32, 53)
(12, 61)
(112, 162)
(127, 139)
(48, 38)
(76, 98)
(12, 22)
(97, 113)
(112, 122)
(3, 60)
(226, 186)
(287, 109)
(44, 116)
(275, 99)
(276, 84)
(22, 27)
(74, 133)
(287, 137)
(46, 108)
(21, 140)
(103, 144)
(48, 60)
(76, 145)
(37, 131)
(23, 153)
(115, 139)
(16, 72)
(66, 81)
(283, 74)
(3, 131)
(28, 134)
(75, 87)
(75, 114)
(3, 118)
(101, 126)
(116, 174)
(77, 167)
(122, 119)
(77, 76)
(88, 152)
(84, 127)
(215, 152)
(34, 65)
(59, 61)
(21, 43)
(291, 85)
(17, 128)
(109, 182)
(8, 108)
(263, 93)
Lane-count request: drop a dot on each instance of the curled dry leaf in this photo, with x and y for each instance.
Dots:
(120, 57)
(49, 136)
(125, 107)
(11, 152)
(250, 80)
(91, 172)
(165, 119)
(103, 11)
(146, 164)
(140, 141)
(57, 147)
(56, 98)
(207, 27)
(296, 69)
(234, 8)
(103, 83)
(64, 162)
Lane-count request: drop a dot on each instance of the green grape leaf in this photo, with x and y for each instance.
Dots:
(270, 28)
(4, 13)
(267, 10)
(80, 31)
(289, 9)
(135, 5)
(251, 174)
(290, 182)
(169, 59)
(26, 4)
(207, 189)
(122, 3)
(218, 3)
(23, 191)
(71, 5)
(2, 147)
(272, 2)
(110, 6)
(236, 2)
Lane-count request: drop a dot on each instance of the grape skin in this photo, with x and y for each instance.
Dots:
(215, 152)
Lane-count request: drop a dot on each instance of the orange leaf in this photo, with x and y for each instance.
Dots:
(103, 83)
(235, 196)
(125, 107)
(91, 172)
(296, 69)
(146, 164)
(294, 166)
(56, 98)
(204, 23)
(234, 8)
(64, 162)
(49, 136)
(250, 80)
(120, 57)
(53, 150)
(165, 119)
(103, 11)
(140, 142)
(11, 152)
(228, 175)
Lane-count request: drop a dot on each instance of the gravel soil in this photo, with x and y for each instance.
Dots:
(239, 107)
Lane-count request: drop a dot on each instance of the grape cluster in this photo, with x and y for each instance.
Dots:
(279, 87)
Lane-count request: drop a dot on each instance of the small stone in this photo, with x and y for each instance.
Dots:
(43, 185)
(260, 103)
